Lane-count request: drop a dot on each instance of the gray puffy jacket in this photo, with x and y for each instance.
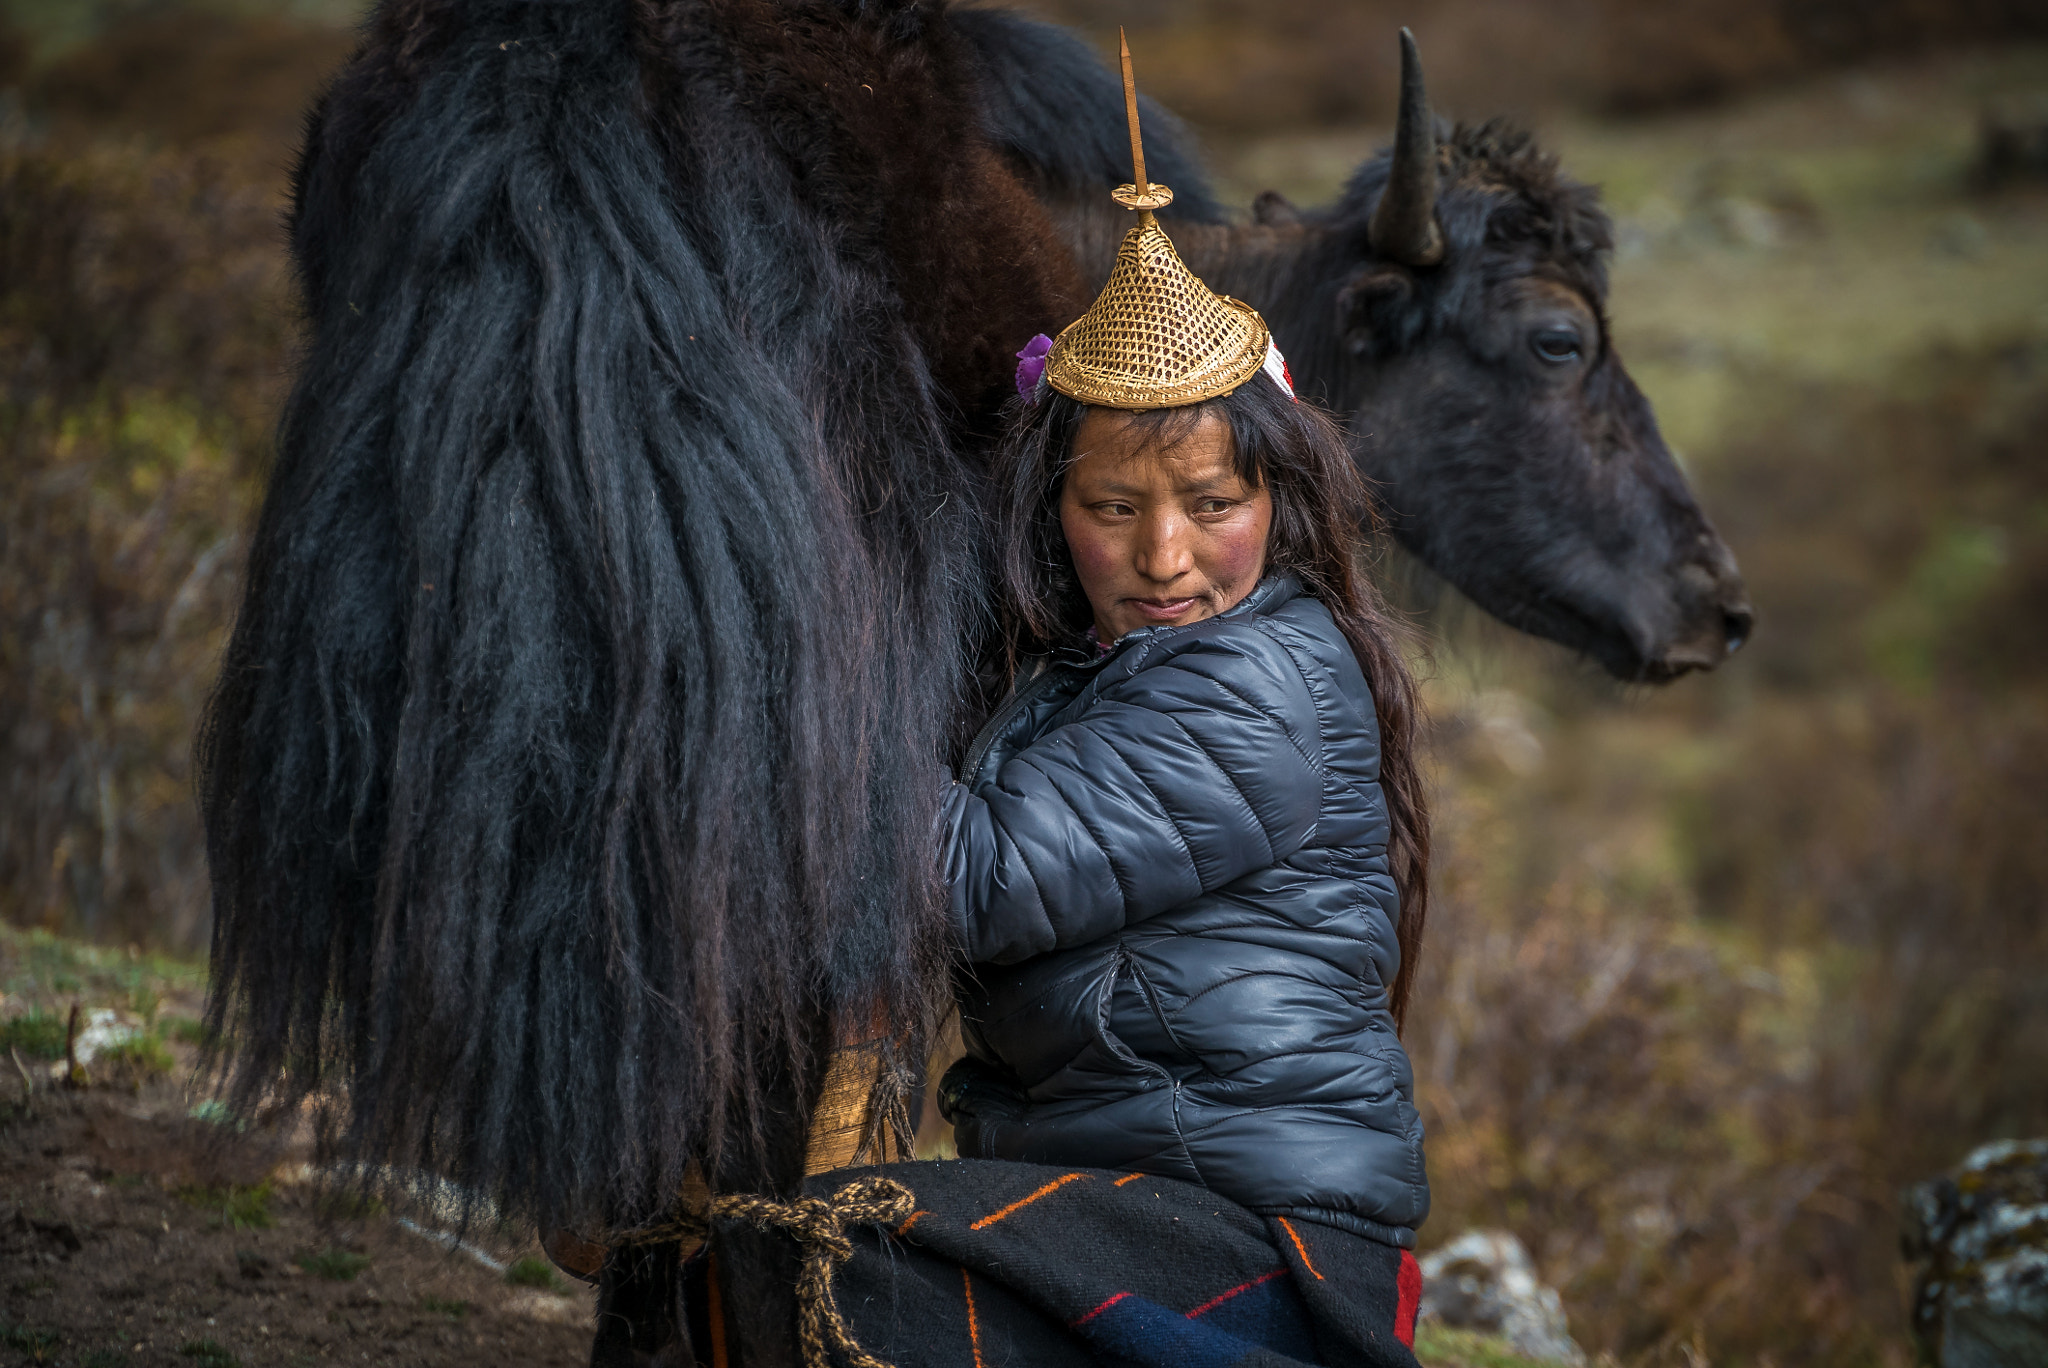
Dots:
(1169, 867)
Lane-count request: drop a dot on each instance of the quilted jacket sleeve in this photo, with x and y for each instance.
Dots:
(1176, 779)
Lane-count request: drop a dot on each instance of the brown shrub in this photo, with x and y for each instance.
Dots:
(189, 77)
(1734, 963)
(1254, 66)
(144, 331)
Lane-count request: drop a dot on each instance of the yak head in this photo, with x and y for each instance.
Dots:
(1452, 305)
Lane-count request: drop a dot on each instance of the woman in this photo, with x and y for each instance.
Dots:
(1187, 857)
(1186, 864)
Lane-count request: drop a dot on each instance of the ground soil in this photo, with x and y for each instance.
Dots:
(119, 1245)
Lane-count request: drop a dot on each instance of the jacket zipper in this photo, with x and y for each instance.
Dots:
(985, 739)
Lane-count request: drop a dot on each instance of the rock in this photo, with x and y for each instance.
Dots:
(103, 1030)
(2012, 142)
(1981, 1236)
(60, 1233)
(1484, 1280)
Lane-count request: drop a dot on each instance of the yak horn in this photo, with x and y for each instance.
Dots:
(1404, 226)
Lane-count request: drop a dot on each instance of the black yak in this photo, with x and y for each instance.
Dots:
(611, 616)
(575, 754)
(1451, 304)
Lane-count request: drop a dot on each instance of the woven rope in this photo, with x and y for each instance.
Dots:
(1156, 337)
(819, 1226)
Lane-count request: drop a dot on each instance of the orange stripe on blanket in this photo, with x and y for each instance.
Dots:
(912, 1219)
(973, 1325)
(1127, 1178)
(1023, 1202)
(1299, 1247)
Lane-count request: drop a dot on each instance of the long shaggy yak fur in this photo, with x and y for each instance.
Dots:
(571, 779)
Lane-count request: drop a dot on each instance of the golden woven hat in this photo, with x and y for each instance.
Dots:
(1156, 337)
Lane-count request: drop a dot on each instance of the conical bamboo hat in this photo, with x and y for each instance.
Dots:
(1156, 337)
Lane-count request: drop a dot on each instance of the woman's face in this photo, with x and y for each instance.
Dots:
(1160, 535)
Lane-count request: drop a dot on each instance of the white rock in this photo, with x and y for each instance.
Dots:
(1484, 1280)
(103, 1030)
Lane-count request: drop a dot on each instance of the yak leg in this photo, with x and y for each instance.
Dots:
(756, 1286)
(639, 1310)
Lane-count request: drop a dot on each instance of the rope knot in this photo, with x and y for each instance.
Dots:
(819, 1225)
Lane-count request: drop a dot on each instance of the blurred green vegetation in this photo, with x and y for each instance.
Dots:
(536, 1272)
(133, 1062)
(1715, 969)
(1259, 66)
(1440, 1347)
(41, 975)
(1715, 973)
(37, 1034)
(144, 335)
(334, 1264)
(236, 1206)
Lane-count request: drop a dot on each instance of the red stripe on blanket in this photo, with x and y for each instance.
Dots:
(1100, 1309)
(1215, 1302)
(1409, 1284)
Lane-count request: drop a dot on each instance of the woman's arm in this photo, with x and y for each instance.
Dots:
(1178, 780)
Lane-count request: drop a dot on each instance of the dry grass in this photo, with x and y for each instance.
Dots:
(144, 332)
(1718, 971)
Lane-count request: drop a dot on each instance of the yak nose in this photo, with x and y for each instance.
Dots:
(1737, 620)
(1714, 618)
(1726, 597)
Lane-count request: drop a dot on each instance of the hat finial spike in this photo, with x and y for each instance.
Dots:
(1141, 194)
(1138, 181)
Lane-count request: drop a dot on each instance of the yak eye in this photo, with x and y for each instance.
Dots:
(1556, 345)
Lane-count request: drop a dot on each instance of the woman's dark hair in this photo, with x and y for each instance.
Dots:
(1321, 512)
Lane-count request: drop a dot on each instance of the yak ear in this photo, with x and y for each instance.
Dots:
(1370, 309)
(1274, 210)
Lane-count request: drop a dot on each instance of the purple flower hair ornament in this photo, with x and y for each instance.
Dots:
(1031, 367)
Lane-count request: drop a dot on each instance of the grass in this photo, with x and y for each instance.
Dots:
(347, 1204)
(334, 1264)
(49, 973)
(536, 1272)
(212, 1111)
(39, 1345)
(134, 1061)
(41, 961)
(1439, 1346)
(183, 1030)
(208, 1353)
(442, 1306)
(235, 1206)
(37, 1034)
